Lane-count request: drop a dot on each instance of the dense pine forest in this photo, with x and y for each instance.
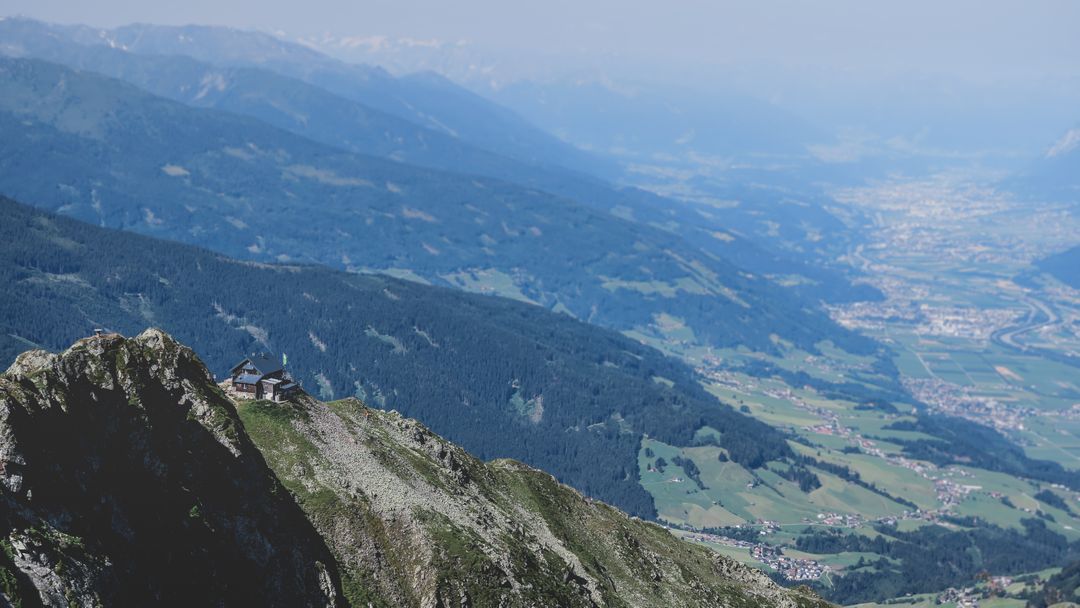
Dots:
(502, 378)
(933, 558)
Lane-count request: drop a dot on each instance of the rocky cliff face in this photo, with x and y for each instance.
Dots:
(129, 478)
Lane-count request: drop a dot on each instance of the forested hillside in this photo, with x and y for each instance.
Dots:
(102, 151)
(1065, 266)
(933, 558)
(502, 378)
(1061, 589)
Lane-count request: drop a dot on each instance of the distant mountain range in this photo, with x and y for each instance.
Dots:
(641, 123)
(1064, 266)
(796, 228)
(1053, 176)
(108, 153)
(427, 99)
(1058, 172)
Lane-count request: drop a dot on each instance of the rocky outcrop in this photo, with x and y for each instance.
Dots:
(128, 478)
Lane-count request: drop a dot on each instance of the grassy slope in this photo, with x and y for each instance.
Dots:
(521, 524)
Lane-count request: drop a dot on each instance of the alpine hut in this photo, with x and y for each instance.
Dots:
(262, 376)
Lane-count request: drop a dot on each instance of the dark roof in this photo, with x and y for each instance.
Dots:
(247, 379)
(264, 363)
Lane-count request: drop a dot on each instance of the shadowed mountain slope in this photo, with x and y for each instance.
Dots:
(104, 152)
(502, 378)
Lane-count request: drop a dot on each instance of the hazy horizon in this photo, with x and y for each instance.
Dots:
(978, 41)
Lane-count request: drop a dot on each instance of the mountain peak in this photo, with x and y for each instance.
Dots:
(111, 362)
(127, 477)
(1068, 142)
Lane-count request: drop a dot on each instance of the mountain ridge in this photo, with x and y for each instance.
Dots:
(313, 113)
(409, 518)
(1053, 175)
(432, 102)
(1064, 266)
(121, 157)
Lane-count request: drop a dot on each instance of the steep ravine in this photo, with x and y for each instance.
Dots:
(129, 478)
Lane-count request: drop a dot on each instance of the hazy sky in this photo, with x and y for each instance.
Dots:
(975, 38)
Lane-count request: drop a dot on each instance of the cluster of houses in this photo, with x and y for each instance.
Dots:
(262, 376)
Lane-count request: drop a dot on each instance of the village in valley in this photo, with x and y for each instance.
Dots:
(1001, 356)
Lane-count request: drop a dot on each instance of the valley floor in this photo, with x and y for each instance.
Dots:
(978, 334)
